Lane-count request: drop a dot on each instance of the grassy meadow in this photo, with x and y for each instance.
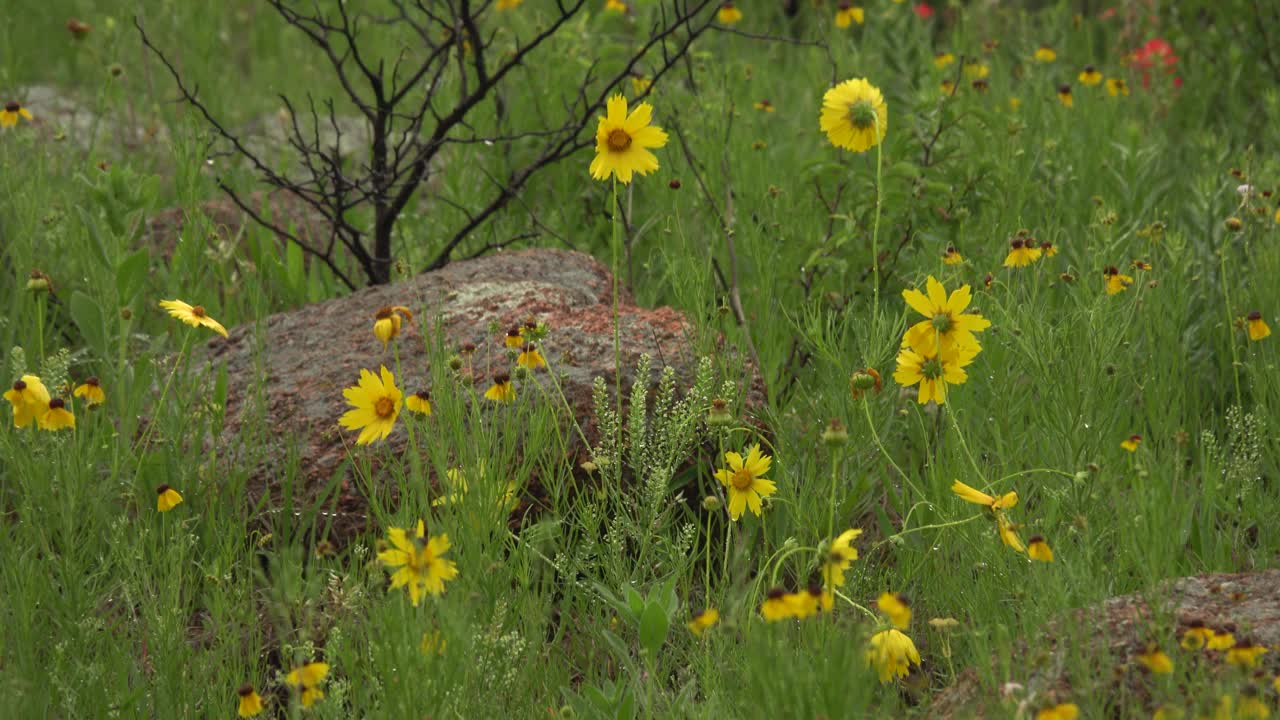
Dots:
(1099, 177)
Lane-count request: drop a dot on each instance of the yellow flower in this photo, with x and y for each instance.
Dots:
(1245, 655)
(386, 323)
(1117, 87)
(193, 315)
(419, 402)
(1089, 76)
(1140, 265)
(744, 481)
(91, 391)
(896, 608)
(945, 325)
(810, 602)
(530, 358)
(11, 112)
(934, 370)
(509, 4)
(777, 606)
(1038, 549)
(623, 142)
(892, 653)
(640, 83)
(376, 404)
(1196, 636)
(307, 679)
(703, 621)
(29, 398)
(167, 498)
(977, 497)
(1045, 54)
(514, 338)
(1047, 249)
(1131, 443)
(1021, 253)
(1257, 327)
(1167, 712)
(421, 567)
(1014, 104)
(501, 390)
(250, 701)
(1064, 96)
(847, 14)
(433, 643)
(946, 87)
(728, 13)
(1251, 707)
(764, 106)
(1062, 711)
(56, 416)
(615, 6)
(1116, 283)
(1008, 533)
(1155, 660)
(943, 59)
(854, 115)
(952, 256)
(975, 70)
(839, 557)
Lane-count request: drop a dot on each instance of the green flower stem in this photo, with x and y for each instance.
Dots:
(875, 228)
(876, 438)
(617, 318)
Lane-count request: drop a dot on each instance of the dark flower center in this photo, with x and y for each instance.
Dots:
(198, 311)
(619, 140)
(92, 380)
(19, 385)
(12, 106)
(742, 479)
(57, 403)
(384, 407)
(162, 489)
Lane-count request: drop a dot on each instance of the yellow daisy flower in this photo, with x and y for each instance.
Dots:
(1021, 253)
(807, 603)
(501, 390)
(167, 498)
(945, 325)
(839, 557)
(977, 497)
(1061, 711)
(847, 14)
(11, 112)
(421, 567)
(1196, 636)
(419, 402)
(892, 653)
(387, 322)
(307, 679)
(29, 398)
(623, 142)
(1257, 327)
(1116, 282)
(530, 358)
(1117, 87)
(56, 416)
(943, 59)
(728, 14)
(744, 481)
(952, 256)
(375, 403)
(1131, 443)
(1089, 76)
(946, 87)
(91, 391)
(250, 701)
(1038, 549)
(934, 370)
(1245, 654)
(514, 338)
(703, 621)
(1045, 54)
(1064, 96)
(193, 315)
(854, 115)
(896, 608)
(777, 606)
(1155, 660)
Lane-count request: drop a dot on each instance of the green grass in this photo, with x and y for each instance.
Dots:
(113, 609)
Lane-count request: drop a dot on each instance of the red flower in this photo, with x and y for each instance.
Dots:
(924, 11)
(1156, 54)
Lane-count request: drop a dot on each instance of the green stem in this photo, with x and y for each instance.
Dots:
(831, 515)
(1226, 294)
(617, 322)
(875, 228)
(39, 326)
(965, 446)
(880, 445)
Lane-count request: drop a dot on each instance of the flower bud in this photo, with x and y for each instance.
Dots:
(835, 434)
(455, 362)
(1234, 224)
(719, 414)
(711, 503)
(39, 282)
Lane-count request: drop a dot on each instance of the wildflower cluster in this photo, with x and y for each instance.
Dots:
(936, 350)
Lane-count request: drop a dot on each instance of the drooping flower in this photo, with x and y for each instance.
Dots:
(728, 14)
(1008, 533)
(10, 113)
(703, 621)
(744, 481)
(375, 402)
(977, 497)
(1256, 326)
(1089, 76)
(1061, 711)
(1155, 660)
(419, 403)
(250, 702)
(811, 601)
(952, 256)
(848, 14)
(943, 59)
(29, 398)
(193, 315)
(1064, 96)
(776, 606)
(1045, 54)
(863, 380)
(946, 87)
(1038, 549)
(1245, 654)
(1117, 87)
(56, 416)
(1048, 249)
(623, 142)
(892, 654)
(1196, 636)
(421, 567)
(839, 557)
(91, 391)
(945, 325)
(1115, 281)
(167, 498)
(530, 358)
(307, 680)
(501, 390)
(1249, 706)
(387, 322)
(934, 370)
(896, 608)
(1131, 443)
(1021, 253)
(854, 115)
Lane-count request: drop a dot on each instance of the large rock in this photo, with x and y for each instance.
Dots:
(300, 361)
(1111, 634)
(60, 116)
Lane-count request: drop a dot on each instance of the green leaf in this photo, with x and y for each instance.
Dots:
(87, 315)
(295, 269)
(653, 627)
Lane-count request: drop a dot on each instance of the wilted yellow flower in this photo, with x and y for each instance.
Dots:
(945, 325)
(1021, 253)
(56, 416)
(839, 557)
(11, 112)
(977, 497)
(29, 398)
(1047, 249)
(307, 679)
(1155, 660)
(854, 115)
(728, 14)
(501, 390)
(1038, 549)
(250, 701)
(421, 567)
(934, 370)
(952, 256)
(91, 391)
(167, 498)
(623, 142)
(419, 402)
(387, 321)
(1089, 76)
(530, 358)
(703, 621)
(847, 14)
(1256, 326)
(896, 608)
(376, 404)
(1117, 87)
(1115, 281)
(1131, 443)
(1008, 533)
(1045, 54)
(193, 315)
(1061, 711)
(744, 481)
(892, 654)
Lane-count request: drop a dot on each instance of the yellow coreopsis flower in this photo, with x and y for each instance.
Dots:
(307, 680)
(1155, 660)
(728, 14)
(29, 398)
(977, 497)
(952, 256)
(896, 608)
(1116, 282)
(1131, 443)
(421, 567)
(892, 654)
(1021, 253)
(193, 315)
(250, 701)
(1061, 711)
(375, 402)
(1256, 326)
(11, 112)
(419, 402)
(1245, 654)
(1089, 76)
(167, 498)
(1038, 549)
(1045, 54)
(946, 87)
(623, 142)
(530, 358)
(1065, 97)
(1196, 636)
(848, 14)
(934, 370)
(56, 416)
(501, 390)
(387, 322)
(854, 115)
(1117, 87)
(839, 557)
(744, 481)
(703, 621)
(945, 325)
(91, 391)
